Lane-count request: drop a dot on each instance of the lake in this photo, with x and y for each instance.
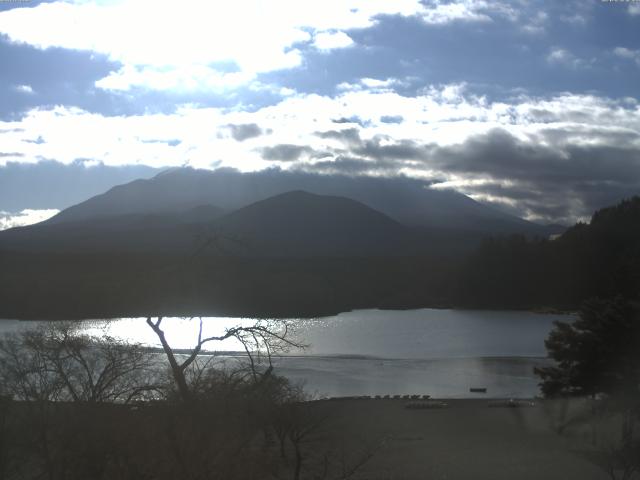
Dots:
(378, 352)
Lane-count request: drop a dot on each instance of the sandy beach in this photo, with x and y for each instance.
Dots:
(466, 440)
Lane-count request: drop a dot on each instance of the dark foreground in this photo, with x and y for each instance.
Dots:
(341, 438)
(470, 440)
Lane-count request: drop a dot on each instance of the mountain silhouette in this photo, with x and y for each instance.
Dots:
(299, 223)
(408, 201)
(292, 224)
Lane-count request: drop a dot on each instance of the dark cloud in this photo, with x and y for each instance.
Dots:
(242, 132)
(348, 136)
(402, 150)
(533, 178)
(285, 152)
(352, 166)
(354, 119)
(342, 165)
(551, 183)
(379, 148)
(500, 155)
(50, 184)
(391, 118)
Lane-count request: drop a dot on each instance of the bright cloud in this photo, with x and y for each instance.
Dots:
(332, 40)
(25, 217)
(201, 137)
(438, 12)
(201, 45)
(184, 79)
(169, 45)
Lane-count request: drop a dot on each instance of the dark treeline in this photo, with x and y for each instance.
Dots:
(70, 286)
(596, 260)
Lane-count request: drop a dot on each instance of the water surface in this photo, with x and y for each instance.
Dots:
(376, 352)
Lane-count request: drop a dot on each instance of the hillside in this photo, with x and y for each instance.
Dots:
(303, 224)
(176, 232)
(598, 259)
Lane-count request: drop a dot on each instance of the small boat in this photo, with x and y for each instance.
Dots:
(478, 390)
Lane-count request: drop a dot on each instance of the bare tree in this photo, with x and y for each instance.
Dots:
(263, 338)
(58, 362)
(61, 376)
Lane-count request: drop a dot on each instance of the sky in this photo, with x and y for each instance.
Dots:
(528, 105)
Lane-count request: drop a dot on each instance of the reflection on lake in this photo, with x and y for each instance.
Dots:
(373, 352)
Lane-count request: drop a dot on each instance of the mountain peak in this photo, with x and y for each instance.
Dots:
(408, 201)
(300, 223)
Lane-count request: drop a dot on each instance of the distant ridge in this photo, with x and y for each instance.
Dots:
(292, 224)
(407, 201)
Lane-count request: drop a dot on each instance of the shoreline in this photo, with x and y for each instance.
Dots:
(304, 316)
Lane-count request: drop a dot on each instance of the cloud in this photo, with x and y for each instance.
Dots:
(634, 10)
(187, 78)
(352, 119)
(327, 41)
(200, 46)
(348, 165)
(380, 149)
(438, 12)
(24, 89)
(25, 217)
(537, 23)
(244, 131)
(153, 65)
(285, 152)
(541, 180)
(627, 53)
(447, 133)
(391, 118)
(173, 46)
(371, 84)
(561, 56)
(349, 136)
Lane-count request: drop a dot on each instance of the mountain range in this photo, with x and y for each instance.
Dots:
(273, 214)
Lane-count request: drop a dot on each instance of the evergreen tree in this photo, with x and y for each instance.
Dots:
(597, 353)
